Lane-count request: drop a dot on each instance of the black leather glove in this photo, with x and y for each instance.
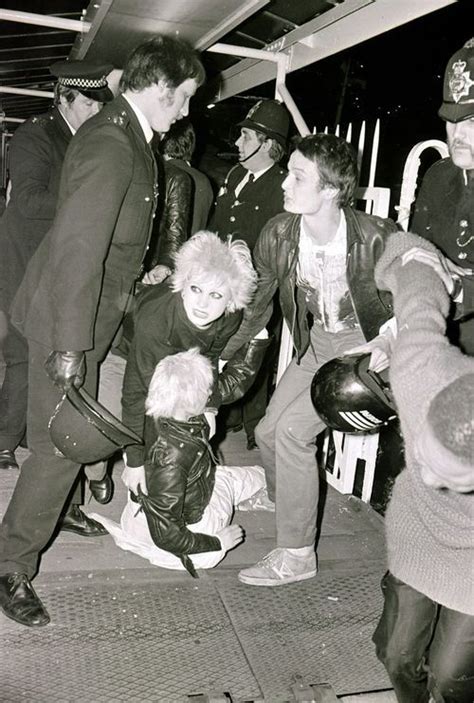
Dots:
(66, 368)
(241, 370)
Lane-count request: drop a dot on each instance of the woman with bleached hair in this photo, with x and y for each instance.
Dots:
(183, 518)
(199, 306)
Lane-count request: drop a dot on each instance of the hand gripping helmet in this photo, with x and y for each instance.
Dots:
(84, 431)
(351, 398)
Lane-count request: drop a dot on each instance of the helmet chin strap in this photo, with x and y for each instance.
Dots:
(241, 161)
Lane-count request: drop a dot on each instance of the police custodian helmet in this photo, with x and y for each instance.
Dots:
(349, 397)
(84, 431)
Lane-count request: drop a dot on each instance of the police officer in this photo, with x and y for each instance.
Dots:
(251, 195)
(36, 155)
(252, 192)
(444, 209)
(77, 286)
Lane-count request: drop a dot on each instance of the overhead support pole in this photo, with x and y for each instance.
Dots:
(13, 119)
(44, 20)
(27, 91)
(281, 61)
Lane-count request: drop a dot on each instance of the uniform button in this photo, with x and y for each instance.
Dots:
(232, 219)
(147, 199)
(236, 202)
(256, 207)
(463, 223)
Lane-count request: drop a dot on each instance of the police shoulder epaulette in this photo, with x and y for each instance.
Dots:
(41, 120)
(119, 118)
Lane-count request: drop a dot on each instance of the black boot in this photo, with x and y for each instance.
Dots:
(102, 489)
(7, 459)
(18, 601)
(78, 522)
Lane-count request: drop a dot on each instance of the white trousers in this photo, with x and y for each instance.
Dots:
(233, 485)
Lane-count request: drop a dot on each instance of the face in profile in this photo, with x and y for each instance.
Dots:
(168, 105)
(79, 110)
(461, 142)
(205, 300)
(302, 191)
(248, 145)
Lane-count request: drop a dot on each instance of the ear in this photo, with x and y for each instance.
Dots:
(63, 101)
(330, 193)
(163, 88)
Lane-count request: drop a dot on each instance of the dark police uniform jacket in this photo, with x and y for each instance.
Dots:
(77, 285)
(444, 214)
(36, 154)
(244, 215)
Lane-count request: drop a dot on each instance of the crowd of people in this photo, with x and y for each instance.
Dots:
(120, 276)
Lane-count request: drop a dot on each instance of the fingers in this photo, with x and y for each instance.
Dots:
(379, 360)
(362, 349)
(231, 536)
(134, 479)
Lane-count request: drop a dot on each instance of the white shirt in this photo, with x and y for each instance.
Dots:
(245, 179)
(321, 273)
(144, 124)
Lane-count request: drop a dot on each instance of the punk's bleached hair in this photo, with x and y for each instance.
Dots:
(181, 383)
(206, 257)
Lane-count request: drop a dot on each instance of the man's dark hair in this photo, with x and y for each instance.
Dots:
(336, 160)
(164, 58)
(180, 141)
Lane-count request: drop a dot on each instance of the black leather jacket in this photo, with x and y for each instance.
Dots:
(276, 258)
(180, 467)
(180, 472)
(172, 226)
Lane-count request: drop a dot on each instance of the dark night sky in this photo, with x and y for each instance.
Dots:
(397, 76)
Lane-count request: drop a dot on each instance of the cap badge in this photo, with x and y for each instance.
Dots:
(460, 81)
(253, 110)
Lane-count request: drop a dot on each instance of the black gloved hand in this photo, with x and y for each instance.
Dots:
(66, 368)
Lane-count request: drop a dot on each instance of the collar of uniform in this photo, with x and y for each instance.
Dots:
(256, 175)
(73, 131)
(144, 124)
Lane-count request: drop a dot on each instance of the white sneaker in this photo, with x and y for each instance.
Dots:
(278, 568)
(259, 501)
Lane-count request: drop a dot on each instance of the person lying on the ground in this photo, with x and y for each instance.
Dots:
(180, 514)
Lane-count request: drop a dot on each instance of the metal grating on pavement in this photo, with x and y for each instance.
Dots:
(110, 643)
(164, 640)
(318, 629)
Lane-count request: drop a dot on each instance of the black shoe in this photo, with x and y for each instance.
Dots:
(102, 490)
(19, 601)
(7, 459)
(78, 522)
(251, 443)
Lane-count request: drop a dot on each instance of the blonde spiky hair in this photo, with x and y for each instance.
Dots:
(205, 256)
(181, 383)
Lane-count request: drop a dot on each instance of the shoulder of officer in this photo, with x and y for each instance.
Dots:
(119, 117)
(42, 120)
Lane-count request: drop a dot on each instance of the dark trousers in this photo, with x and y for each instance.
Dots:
(14, 390)
(249, 410)
(46, 480)
(426, 648)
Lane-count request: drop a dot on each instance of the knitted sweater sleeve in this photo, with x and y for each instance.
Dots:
(423, 361)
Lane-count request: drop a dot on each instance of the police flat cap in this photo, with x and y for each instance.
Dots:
(87, 77)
